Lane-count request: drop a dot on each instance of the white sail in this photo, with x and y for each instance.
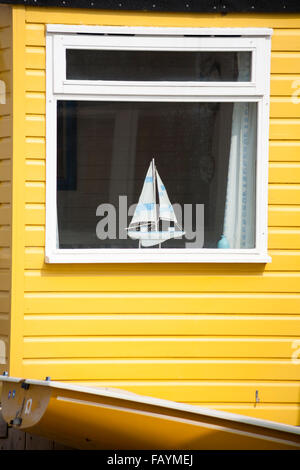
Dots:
(145, 213)
(166, 211)
(145, 210)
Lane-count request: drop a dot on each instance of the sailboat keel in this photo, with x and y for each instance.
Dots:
(154, 238)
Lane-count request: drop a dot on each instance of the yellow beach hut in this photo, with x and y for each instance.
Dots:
(150, 222)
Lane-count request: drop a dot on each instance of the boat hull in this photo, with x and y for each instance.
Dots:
(152, 238)
(100, 418)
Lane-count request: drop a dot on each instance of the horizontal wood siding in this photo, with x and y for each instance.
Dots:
(210, 334)
(5, 181)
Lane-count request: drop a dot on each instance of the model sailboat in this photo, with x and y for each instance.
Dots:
(144, 225)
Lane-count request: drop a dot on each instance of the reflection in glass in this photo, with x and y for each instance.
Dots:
(212, 66)
(205, 154)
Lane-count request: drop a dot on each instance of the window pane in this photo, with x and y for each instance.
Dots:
(158, 65)
(204, 156)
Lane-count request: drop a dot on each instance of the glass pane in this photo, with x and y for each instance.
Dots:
(158, 65)
(111, 194)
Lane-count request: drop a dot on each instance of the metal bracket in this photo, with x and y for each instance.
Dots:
(25, 385)
(257, 400)
(16, 422)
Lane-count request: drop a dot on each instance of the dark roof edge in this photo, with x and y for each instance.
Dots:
(194, 6)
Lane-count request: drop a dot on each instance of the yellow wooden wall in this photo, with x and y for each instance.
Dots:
(204, 334)
(5, 180)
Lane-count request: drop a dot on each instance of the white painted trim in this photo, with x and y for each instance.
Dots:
(160, 31)
(50, 154)
(256, 45)
(121, 257)
(57, 87)
(155, 93)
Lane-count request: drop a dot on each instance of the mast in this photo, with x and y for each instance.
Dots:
(154, 193)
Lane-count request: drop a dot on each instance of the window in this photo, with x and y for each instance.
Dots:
(157, 144)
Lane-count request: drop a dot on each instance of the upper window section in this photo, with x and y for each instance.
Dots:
(131, 64)
(205, 66)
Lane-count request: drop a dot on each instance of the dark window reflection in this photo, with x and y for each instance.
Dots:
(157, 65)
(108, 147)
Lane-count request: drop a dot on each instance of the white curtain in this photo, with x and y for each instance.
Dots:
(57, 232)
(239, 218)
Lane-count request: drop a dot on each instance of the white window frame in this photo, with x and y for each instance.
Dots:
(257, 40)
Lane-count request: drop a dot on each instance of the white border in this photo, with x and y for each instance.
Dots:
(57, 87)
(157, 30)
(256, 86)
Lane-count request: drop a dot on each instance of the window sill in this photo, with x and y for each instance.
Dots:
(156, 256)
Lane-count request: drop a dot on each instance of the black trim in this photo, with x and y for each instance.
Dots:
(197, 6)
